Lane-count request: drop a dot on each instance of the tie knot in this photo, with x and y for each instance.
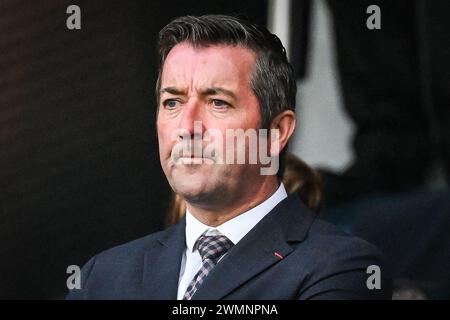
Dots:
(213, 247)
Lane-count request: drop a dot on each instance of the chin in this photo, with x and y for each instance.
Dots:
(196, 196)
(190, 188)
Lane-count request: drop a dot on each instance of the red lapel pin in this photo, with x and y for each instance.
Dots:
(278, 255)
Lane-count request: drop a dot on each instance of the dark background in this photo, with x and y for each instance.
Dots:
(79, 165)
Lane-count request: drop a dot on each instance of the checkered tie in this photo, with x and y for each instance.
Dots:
(211, 249)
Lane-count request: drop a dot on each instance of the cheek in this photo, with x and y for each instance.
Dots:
(245, 121)
(164, 139)
(253, 116)
(249, 117)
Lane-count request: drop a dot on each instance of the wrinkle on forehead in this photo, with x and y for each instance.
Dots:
(195, 69)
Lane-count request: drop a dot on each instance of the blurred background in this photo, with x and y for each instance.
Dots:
(79, 164)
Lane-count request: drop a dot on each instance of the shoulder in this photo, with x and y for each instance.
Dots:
(339, 265)
(317, 236)
(120, 266)
(133, 249)
(332, 239)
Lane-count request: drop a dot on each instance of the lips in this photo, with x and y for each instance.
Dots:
(188, 154)
(193, 160)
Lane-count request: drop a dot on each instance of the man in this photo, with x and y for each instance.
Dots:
(242, 237)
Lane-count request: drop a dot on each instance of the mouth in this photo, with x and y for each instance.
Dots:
(189, 160)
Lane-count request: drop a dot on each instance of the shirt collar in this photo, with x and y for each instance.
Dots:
(236, 228)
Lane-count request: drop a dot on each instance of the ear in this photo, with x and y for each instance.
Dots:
(284, 124)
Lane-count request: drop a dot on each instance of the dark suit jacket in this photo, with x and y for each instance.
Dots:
(320, 262)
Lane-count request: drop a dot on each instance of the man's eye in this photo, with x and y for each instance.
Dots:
(170, 104)
(219, 103)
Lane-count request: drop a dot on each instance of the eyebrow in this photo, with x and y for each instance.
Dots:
(172, 90)
(205, 92)
(215, 90)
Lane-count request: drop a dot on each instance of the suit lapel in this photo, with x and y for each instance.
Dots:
(162, 264)
(286, 224)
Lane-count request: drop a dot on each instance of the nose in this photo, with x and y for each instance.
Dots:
(191, 120)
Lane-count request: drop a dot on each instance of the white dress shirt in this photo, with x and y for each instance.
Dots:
(234, 229)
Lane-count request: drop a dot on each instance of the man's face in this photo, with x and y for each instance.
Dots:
(212, 85)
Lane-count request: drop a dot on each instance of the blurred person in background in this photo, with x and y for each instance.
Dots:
(395, 82)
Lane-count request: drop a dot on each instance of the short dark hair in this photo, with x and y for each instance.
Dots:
(272, 81)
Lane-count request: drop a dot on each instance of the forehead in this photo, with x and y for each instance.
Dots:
(208, 65)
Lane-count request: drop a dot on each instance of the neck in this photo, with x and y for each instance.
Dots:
(218, 214)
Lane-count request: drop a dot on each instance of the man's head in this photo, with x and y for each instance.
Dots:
(227, 74)
(272, 78)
